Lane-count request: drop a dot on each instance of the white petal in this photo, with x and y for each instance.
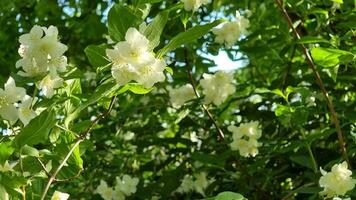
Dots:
(9, 113)
(13, 93)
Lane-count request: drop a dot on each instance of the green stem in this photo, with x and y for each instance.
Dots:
(308, 145)
(23, 188)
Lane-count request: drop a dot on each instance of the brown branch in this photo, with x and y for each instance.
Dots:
(78, 141)
(311, 64)
(221, 135)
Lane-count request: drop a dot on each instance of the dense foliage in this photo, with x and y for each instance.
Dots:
(121, 99)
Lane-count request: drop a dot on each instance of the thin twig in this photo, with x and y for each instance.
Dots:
(78, 141)
(70, 178)
(189, 72)
(65, 129)
(43, 167)
(290, 194)
(23, 188)
(311, 64)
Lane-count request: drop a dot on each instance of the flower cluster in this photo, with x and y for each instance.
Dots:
(179, 96)
(125, 186)
(133, 61)
(193, 5)
(198, 183)
(42, 55)
(245, 138)
(230, 32)
(59, 196)
(217, 87)
(337, 182)
(10, 108)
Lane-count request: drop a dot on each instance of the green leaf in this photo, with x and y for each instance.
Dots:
(67, 142)
(154, 30)
(104, 90)
(169, 70)
(120, 18)
(308, 190)
(37, 130)
(3, 193)
(330, 57)
(348, 25)
(138, 88)
(141, 11)
(279, 93)
(284, 114)
(181, 115)
(310, 39)
(6, 150)
(209, 159)
(302, 160)
(188, 36)
(96, 55)
(10, 183)
(30, 151)
(332, 72)
(338, 1)
(73, 87)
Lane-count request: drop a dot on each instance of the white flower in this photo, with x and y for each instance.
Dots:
(245, 138)
(126, 185)
(151, 73)
(57, 64)
(338, 198)
(133, 61)
(49, 84)
(198, 183)
(217, 87)
(107, 193)
(33, 37)
(60, 196)
(123, 73)
(250, 130)
(30, 67)
(179, 96)
(243, 22)
(230, 32)
(25, 111)
(245, 147)
(337, 182)
(10, 95)
(6, 167)
(310, 100)
(193, 5)
(201, 182)
(118, 195)
(134, 50)
(41, 51)
(187, 184)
